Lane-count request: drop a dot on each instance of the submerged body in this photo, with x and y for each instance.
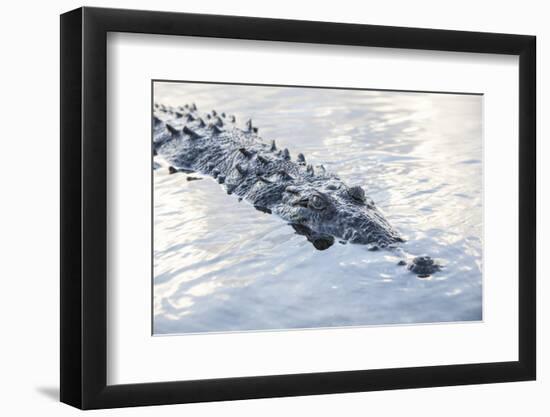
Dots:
(316, 203)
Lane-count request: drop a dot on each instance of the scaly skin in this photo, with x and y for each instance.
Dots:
(316, 203)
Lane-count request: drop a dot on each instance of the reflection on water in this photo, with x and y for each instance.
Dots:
(220, 265)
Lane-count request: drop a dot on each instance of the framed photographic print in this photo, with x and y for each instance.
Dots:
(258, 207)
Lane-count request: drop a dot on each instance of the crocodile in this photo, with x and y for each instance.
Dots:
(315, 202)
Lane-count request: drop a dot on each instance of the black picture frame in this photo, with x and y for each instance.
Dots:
(84, 207)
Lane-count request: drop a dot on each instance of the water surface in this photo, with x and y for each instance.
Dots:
(220, 265)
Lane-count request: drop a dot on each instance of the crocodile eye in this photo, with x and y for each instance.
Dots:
(317, 202)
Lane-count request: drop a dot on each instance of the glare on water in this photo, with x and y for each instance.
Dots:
(221, 265)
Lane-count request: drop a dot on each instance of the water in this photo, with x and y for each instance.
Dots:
(220, 265)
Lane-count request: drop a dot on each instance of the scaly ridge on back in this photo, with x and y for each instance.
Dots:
(267, 177)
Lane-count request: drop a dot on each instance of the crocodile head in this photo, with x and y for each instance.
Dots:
(323, 212)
